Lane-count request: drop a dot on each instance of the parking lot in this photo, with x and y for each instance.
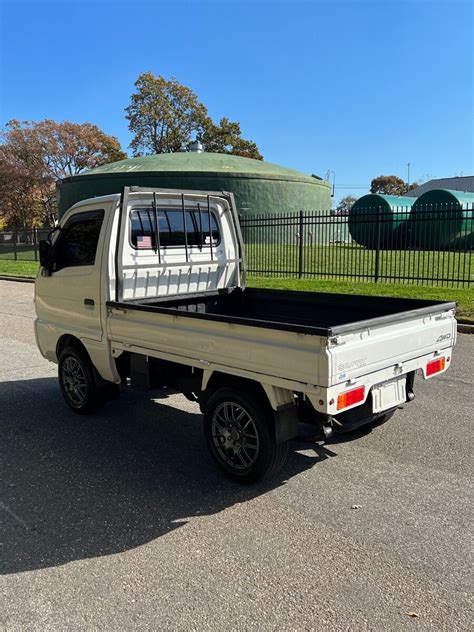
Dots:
(120, 520)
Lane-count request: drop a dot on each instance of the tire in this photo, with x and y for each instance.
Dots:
(78, 382)
(239, 435)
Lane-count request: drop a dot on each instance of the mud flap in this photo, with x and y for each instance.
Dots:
(286, 423)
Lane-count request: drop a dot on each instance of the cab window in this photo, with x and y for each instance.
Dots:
(77, 242)
(174, 229)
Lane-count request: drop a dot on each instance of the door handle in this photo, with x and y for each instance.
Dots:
(89, 301)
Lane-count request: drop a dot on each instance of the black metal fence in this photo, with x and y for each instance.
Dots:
(21, 245)
(425, 246)
(433, 246)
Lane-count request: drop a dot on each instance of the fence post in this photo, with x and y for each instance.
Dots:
(15, 238)
(35, 242)
(300, 252)
(377, 252)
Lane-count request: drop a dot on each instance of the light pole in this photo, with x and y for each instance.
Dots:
(408, 176)
(328, 175)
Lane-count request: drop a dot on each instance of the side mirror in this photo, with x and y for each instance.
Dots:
(46, 255)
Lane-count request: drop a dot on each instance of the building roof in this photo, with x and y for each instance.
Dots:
(205, 162)
(462, 183)
(445, 198)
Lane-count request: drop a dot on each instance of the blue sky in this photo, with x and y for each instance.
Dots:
(359, 87)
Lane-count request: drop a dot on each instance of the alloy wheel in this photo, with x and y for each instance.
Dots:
(74, 381)
(235, 436)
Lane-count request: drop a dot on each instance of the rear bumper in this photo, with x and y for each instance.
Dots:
(362, 415)
(328, 404)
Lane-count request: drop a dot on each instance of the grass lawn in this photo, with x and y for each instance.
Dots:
(23, 251)
(339, 260)
(18, 268)
(463, 297)
(335, 260)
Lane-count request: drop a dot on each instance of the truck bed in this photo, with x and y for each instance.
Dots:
(316, 313)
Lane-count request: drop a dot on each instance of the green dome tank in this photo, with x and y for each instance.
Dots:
(259, 187)
(442, 219)
(394, 214)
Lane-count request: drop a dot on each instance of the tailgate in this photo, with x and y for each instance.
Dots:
(375, 347)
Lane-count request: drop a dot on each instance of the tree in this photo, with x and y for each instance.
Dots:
(225, 138)
(34, 155)
(19, 196)
(391, 185)
(164, 116)
(345, 204)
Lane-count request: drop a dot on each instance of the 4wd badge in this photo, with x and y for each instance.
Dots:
(443, 337)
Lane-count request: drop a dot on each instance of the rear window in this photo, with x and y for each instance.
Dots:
(175, 228)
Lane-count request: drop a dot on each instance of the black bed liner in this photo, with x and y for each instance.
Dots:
(315, 313)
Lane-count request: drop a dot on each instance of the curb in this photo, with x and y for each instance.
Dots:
(18, 279)
(463, 327)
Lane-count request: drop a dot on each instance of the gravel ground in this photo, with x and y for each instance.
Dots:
(120, 520)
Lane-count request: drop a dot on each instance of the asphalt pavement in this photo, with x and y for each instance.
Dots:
(121, 521)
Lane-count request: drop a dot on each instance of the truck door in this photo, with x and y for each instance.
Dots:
(70, 298)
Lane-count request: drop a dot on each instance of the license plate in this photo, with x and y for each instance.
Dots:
(389, 394)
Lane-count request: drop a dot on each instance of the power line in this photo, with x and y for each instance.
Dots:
(352, 186)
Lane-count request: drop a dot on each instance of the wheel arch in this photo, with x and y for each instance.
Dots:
(225, 380)
(274, 396)
(68, 340)
(279, 402)
(99, 356)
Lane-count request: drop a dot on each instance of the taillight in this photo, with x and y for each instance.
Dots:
(349, 398)
(435, 366)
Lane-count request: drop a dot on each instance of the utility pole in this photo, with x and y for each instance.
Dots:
(408, 176)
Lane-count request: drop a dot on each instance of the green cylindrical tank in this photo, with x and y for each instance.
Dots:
(380, 219)
(442, 219)
(259, 187)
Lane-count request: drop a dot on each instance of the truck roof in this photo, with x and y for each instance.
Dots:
(111, 197)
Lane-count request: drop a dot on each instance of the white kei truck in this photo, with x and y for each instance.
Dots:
(147, 287)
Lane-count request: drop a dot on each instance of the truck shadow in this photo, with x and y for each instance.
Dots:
(79, 487)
